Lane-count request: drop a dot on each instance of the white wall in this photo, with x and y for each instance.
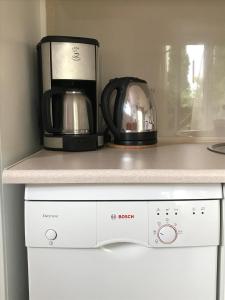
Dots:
(20, 30)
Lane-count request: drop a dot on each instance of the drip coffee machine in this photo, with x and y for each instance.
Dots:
(68, 76)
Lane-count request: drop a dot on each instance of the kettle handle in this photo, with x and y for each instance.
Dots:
(113, 84)
(46, 115)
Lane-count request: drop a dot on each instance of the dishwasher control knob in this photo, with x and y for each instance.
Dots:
(167, 234)
(51, 234)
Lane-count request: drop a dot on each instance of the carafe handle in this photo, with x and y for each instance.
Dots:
(114, 84)
(46, 114)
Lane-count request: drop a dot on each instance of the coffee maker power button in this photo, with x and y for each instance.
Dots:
(51, 234)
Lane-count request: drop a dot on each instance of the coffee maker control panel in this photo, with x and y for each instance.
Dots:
(73, 61)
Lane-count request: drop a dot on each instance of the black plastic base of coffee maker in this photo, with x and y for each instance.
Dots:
(75, 143)
(137, 138)
(82, 142)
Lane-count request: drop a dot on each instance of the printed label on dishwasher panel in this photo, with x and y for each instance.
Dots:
(60, 224)
(122, 222)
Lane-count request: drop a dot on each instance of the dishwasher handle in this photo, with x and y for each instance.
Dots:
(124, 250)
(114, 243)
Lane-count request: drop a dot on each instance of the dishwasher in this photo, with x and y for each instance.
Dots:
(123, 242)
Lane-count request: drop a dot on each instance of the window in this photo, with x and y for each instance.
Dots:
(194, 90)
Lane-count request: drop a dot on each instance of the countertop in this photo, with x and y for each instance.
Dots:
(178, 163)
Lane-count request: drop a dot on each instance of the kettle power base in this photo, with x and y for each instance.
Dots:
(130, 147)
(217, 148)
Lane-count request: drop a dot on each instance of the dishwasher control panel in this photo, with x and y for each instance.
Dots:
(83, 224)
(184, 223)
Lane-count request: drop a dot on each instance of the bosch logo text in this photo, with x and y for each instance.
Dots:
(122, 216)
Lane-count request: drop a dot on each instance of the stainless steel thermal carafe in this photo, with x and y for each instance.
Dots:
(74, 115)
(77, 113)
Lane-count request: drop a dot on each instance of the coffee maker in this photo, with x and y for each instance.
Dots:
(68, 76)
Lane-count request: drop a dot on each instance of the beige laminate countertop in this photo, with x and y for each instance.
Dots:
(178, 163)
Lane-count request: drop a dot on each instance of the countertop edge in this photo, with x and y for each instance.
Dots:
(113, 176)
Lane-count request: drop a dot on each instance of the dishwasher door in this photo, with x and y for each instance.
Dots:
(122, 250)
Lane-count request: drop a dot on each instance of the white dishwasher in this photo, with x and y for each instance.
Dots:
(123, 242)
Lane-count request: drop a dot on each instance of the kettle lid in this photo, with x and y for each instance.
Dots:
(129, 79)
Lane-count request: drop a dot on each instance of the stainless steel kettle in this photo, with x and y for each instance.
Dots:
(132, 117)
(67, 112)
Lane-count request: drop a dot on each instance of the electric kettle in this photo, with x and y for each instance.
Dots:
(69, 114)
(130, 114)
